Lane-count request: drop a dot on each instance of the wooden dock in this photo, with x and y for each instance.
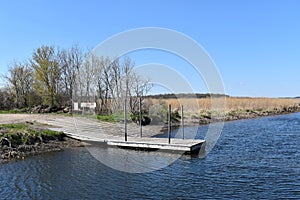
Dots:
(111, 134)
(187, 146)
(91, 131)
(148, 144)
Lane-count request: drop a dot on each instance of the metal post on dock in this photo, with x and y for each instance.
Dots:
(182, 122)
(140, 114)
(125, 120)
(169, 123)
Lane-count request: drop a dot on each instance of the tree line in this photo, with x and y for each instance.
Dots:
(58, 77)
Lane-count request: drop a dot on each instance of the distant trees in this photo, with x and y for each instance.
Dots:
(110, 82)
(6, 99)
(20, 79)
(47, 74)
(71, 62)
(56, 77)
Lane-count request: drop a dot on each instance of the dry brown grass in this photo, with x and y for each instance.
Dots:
(194, 105)
(234, 103)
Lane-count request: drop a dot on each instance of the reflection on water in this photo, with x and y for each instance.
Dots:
(253, 159)
(136, 161)
(132, 161)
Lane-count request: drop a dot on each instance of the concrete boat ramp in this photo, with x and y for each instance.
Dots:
(112, 134)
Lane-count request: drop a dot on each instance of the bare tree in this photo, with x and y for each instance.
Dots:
(71, 61)
(86, 79)
(127, 84)
(139, 88)
(102, 74)
(20, 80)
(56, 77)
(127, 67)
(6, 99)
(113, 81)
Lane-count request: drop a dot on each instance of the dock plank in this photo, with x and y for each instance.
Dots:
(93, 130)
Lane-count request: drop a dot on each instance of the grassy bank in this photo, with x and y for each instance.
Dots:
(20, 140)
(21, 134)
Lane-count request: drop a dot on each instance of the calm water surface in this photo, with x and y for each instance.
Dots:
(253, 159)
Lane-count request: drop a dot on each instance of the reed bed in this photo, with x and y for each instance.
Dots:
(194, 105)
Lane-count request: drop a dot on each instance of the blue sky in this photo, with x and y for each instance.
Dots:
(255, 44)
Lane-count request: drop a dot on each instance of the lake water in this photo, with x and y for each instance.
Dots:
(253, 159)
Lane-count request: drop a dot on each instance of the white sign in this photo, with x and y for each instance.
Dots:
(88, 105)
(75, 106)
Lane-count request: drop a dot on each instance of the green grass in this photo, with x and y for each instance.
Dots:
(9, 111)
(52, 133)
(116, 117)
(107, 118)
(19, 134)
(14, 126)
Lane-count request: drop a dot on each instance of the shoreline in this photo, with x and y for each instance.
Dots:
(9, 154)
(208, 117)
(20, 144)
(240, 115)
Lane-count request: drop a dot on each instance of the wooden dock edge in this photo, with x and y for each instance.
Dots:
(179, 146)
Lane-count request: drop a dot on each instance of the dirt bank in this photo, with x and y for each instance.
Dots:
(17, 141)
(211, 117)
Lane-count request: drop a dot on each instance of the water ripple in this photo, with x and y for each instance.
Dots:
(254, 159)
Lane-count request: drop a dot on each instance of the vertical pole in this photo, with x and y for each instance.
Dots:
(169, 124)
(125, 119)
(182, 122)
(95, 103)
(140, 110)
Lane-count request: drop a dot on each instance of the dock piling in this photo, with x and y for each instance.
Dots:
(140, 114)
(125, 120)
(182, 122)
(169, 124)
